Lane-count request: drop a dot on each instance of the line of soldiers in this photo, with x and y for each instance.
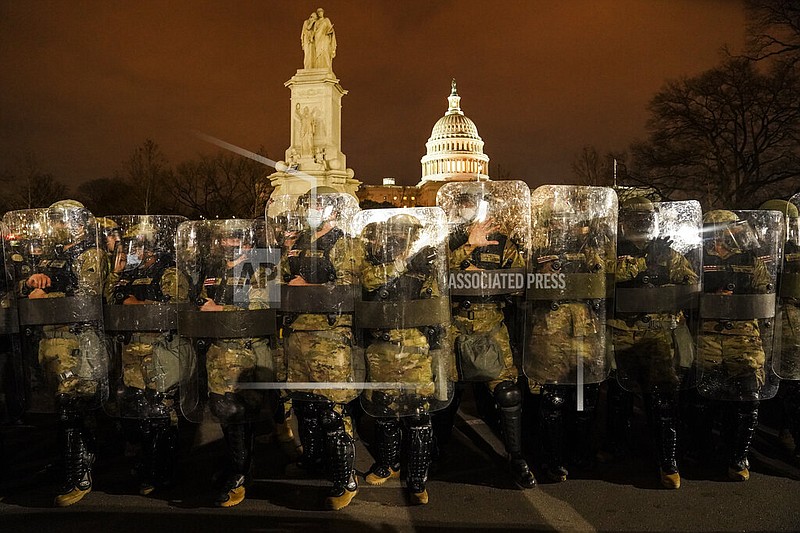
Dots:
(319, 309)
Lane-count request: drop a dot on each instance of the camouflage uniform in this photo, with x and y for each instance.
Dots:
(151, 368)
(645, 350)
(479, 326)
(318, 348)
(730, 354)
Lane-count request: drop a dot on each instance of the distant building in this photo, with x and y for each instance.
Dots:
(454, 153)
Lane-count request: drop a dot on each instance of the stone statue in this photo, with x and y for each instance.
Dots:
(318, 41)
(307, 129)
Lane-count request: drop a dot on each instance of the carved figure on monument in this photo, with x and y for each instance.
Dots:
(307, 41)
(318, 41)
(308, 126)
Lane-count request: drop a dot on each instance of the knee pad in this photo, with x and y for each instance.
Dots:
(229, 409)
(332, 421)
(508, 395)
(553, 398)
(419, 420)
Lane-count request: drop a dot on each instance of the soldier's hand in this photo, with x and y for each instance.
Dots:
(298, 280)
(479, 234)
(37, 293)
(210, 305)
(38, 281)
(422, 261)
(132, 300)
(659, 249)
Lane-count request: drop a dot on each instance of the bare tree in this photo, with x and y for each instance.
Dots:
(728, 137)
(773, 29)
(29, 187)
(591, 168)
(107, 196)
(146, 172)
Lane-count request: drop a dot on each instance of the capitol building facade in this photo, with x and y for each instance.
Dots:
(454, 153)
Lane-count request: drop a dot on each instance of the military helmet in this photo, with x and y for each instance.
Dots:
(638, 204)
(784, 206)
(106, 224)
(719, 216)
(143, 231)
(404, 222)
(67, 204)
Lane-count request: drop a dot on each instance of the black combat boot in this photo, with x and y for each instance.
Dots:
(744, 429)
(239, 440)
(341, 454)
(619, 411)
(312, 436)
(388, 440)
(661, 406)
(159, 447)
(552, 423)
(420, 437)
(77, 481)
(509, 400)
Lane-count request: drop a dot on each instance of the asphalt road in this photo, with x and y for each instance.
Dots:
(469, 491)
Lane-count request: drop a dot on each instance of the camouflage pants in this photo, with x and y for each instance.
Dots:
(405, 359)
(645, 358)
(484, 330)
(72, 364)
(560, 339)
(734, 357)
(230, 362)
(321, 356)
(150, 361)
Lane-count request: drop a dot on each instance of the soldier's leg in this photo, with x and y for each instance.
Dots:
(697, 413)
(792, 409)
(238, 432)
(283, 429)
(509, 400)
(341, 452)
(662, 410)
(745, 421)
(73, 443)
(420, 438)
(388, 441)
(619, 413)
(552, 411)
(159, 451)
(312, 437)
(443, 421)
(583, 443)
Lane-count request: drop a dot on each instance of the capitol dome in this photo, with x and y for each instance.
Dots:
(455, 150)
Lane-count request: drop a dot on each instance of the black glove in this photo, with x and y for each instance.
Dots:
(658, 250)
(422, 261)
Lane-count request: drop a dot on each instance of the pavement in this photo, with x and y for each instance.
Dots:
(469, 489)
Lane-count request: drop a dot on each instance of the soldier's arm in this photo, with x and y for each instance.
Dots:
(512, 255)
(460, 254)
(175, 285)
(258, 294)
(680, 270)
(344, 261)
(761, 277)
(628, 267)
(374, 276)
(90, 272)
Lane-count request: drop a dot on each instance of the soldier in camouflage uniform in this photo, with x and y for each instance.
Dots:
(645, 350)
(71, 266)
(788, 367)
(149, 358)
(318, 345)
(565, 340)
(400, 354)
(231, 361)
(730, 354)
(479, 326)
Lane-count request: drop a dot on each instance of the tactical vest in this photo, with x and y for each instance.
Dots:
(655, 275)
(408, 286)
(312, 261)
(59, 267)
(732, 274)
(228, 288)
(144, 283)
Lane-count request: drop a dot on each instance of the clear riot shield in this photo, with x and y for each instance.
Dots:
(58, 281)
(144, 290)
(403, 310)
(488, 247)
(737, 332)
(11, 374)
(319, 284)
(569, 284)
(658, 284)
(227, 328)
(787, 360)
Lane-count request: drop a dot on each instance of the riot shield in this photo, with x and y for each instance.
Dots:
(11, 369)
(318, 276)
(657, 293)
(787, 360)
(403, 310)
(569, 284)
(144, 290)
(488, 247)
(737, 331)
(58, 285)
(227, 328)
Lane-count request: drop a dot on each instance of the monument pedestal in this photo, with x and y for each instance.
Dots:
(314, 157)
